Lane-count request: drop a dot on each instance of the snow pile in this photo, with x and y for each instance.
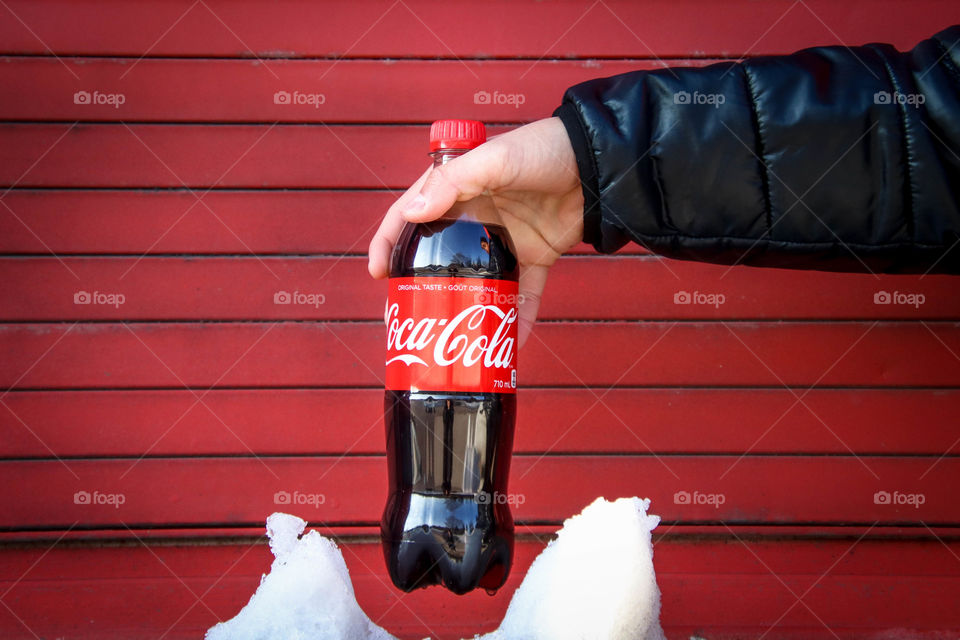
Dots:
(308, 593)
(595, 581)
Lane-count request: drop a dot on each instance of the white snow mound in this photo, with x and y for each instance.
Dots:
(595, 581)
(307, 595)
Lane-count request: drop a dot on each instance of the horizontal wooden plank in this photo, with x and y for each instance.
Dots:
(617, 28)
(298, 354)
(716, 589)
(311, 421)
(234, 222)
(183, 90)
(622, 288)
(187, 492)
(175, 221)
(160, 155)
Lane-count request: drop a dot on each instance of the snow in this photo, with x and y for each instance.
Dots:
(595, 580)
(308, 593)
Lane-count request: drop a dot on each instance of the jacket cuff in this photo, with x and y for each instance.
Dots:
(587, 167)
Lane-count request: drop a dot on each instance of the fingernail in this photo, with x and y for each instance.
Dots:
(416, 205)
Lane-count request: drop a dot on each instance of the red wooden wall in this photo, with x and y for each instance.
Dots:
(198, 398)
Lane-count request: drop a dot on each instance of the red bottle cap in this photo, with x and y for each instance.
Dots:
(456, 134)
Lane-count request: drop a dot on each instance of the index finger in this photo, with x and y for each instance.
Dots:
(378, 263)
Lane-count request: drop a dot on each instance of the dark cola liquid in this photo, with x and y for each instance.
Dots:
(449, 453)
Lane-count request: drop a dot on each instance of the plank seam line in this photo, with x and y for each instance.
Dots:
(68, 56)
(625, 322)
(517, 455)
(545, 387)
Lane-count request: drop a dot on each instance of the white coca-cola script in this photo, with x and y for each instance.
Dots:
(452, 343)
(452, 334)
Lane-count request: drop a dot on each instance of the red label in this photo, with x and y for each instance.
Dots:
(452, 334)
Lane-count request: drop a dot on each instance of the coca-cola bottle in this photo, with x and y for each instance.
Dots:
(451, 386)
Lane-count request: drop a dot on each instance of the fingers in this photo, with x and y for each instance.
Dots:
(381, 246)
(532, 281)
(432, 195)
(462, 178)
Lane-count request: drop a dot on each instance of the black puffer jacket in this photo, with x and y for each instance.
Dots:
(829, 158)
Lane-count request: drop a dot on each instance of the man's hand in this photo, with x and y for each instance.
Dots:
(531, 172)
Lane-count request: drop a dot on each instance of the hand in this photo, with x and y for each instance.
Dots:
(531, 172)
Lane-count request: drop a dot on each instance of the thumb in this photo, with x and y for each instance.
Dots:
(462, 178)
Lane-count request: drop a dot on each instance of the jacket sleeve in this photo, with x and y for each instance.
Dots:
(830, 158)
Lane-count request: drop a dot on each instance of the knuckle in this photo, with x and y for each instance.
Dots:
(530, 298)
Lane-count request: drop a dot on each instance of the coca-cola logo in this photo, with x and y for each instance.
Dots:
(451, 334)
(448, 341)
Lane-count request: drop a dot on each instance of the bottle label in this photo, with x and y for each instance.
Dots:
(452, 334)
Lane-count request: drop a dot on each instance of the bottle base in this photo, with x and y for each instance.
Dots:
(426, 558)
(454, 541)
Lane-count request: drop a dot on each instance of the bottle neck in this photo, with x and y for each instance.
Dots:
(443, 156)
